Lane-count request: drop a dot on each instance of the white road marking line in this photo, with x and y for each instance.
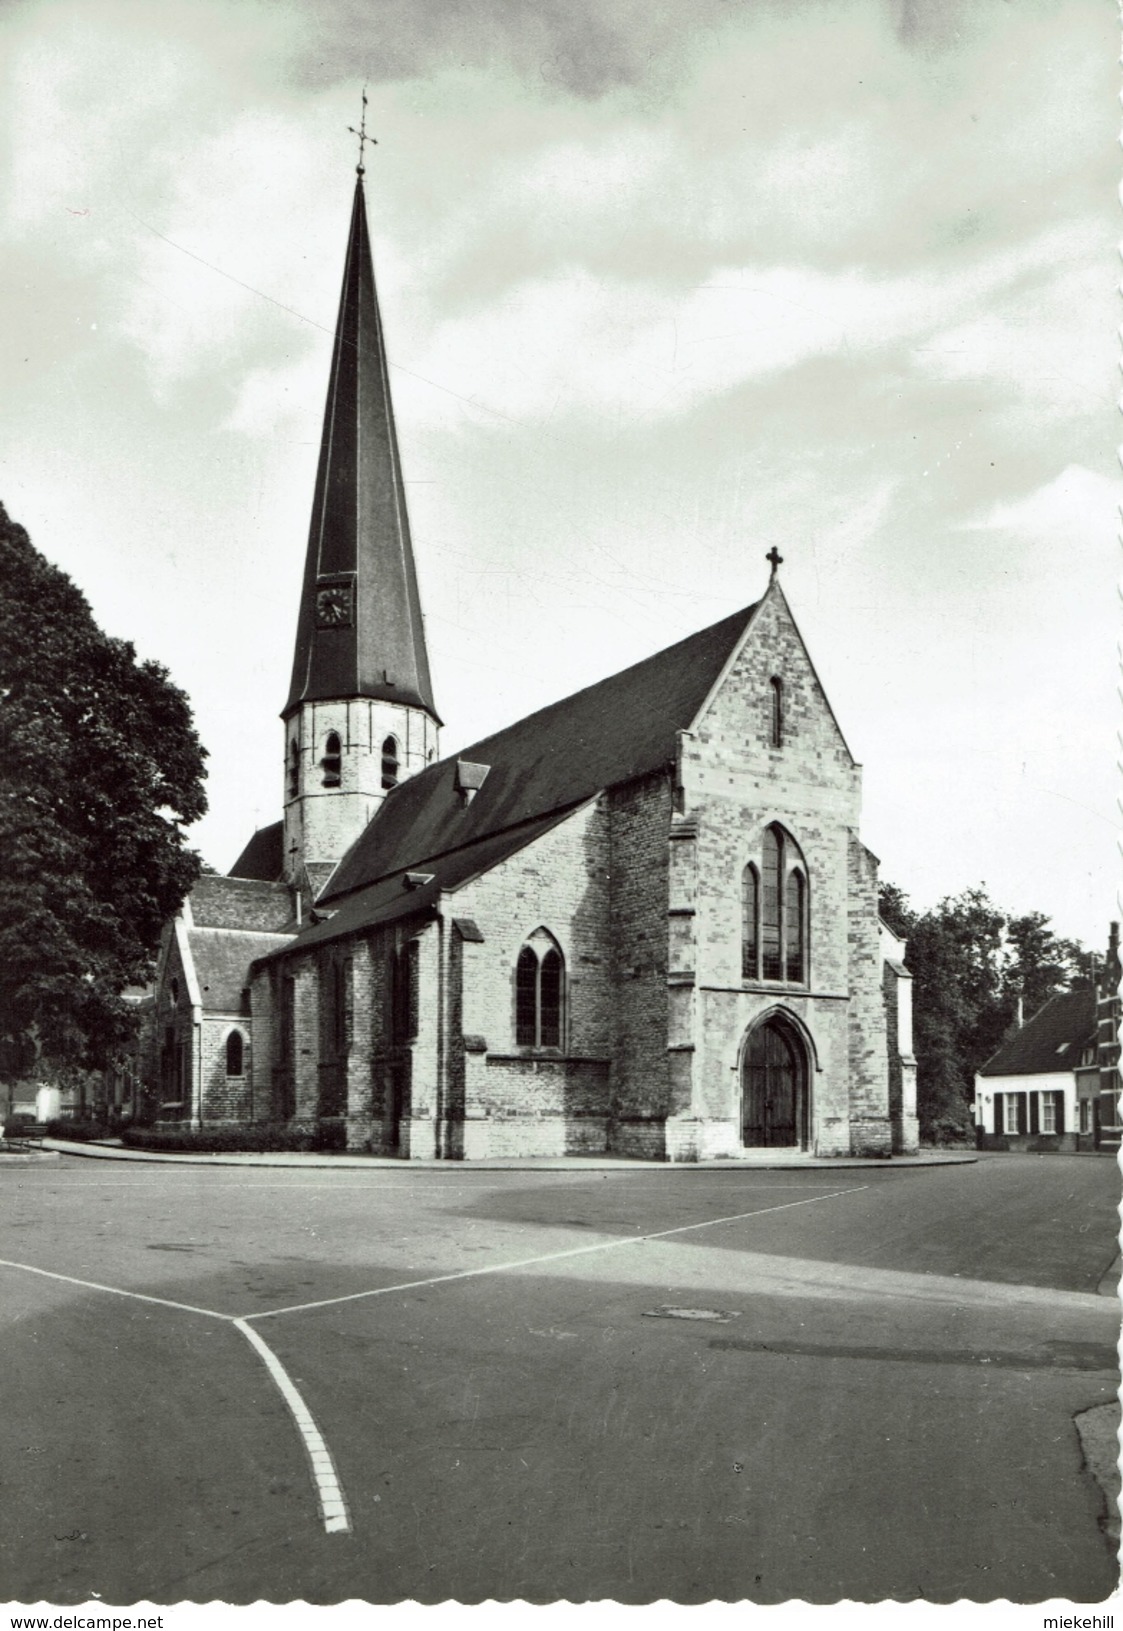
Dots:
(333, 1508)
(546, 1257)
(117, 1291)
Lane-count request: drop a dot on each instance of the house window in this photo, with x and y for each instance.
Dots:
(235, 1054)
(539, 993)
(774, 912)
(390, 763)
(776, 688)
(332, 760)
(1010, 1113)
(294, 769)
(750, 917)
(1048, 1113)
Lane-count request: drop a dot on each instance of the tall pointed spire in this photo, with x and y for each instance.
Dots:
(360, 632)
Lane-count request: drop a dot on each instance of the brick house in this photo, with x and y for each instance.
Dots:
(640, 920)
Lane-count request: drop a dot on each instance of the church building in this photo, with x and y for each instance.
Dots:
(638, 922)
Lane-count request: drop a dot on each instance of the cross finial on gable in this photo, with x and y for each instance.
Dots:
(361, 133)
(775, 557)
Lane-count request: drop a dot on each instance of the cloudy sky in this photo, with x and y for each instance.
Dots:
(665, 283)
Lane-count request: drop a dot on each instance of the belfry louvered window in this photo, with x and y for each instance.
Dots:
(390, 763)
(539, 993)
(775, 912)
(333, 760)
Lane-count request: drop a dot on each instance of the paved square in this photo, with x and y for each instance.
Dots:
(239, 1383)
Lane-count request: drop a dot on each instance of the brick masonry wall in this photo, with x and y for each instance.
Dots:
(226, 1099)
(735, 783)
(559, 883)
(870, 1132)
(639, 823)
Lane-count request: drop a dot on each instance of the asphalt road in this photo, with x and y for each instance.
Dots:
(879, 1403)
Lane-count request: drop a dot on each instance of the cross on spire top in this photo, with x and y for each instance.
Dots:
(361, 133)
(775, 558)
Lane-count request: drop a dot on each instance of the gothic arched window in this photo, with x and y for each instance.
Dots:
(332, 760)
(774, 912)
(403, 992)
(540, 993)
(390, 763)
(776, 687)
(750, 923)
(235, 1054)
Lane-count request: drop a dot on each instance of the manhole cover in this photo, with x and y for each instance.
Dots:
(717, 1316)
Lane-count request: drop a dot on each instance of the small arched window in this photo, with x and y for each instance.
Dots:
(540, 993)
(294, 769)
(332, 760)
(776, 688)
(390, 763)
(235, 1054)
(750, 923)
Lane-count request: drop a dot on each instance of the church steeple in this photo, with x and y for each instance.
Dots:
(360, 715)
(360, 632)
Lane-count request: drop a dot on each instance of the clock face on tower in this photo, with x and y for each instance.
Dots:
(333, 604)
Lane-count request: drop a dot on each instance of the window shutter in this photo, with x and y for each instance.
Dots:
(1034, 1113)
(998, 1121)
(1060, 1098)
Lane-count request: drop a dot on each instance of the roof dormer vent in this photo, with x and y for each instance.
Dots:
(417, 880)
(469, 779)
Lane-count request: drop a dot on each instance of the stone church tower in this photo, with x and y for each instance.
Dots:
(360, 715)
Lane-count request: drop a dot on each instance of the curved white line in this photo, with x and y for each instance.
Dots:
(333, 1508)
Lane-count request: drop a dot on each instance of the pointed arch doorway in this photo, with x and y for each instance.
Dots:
(775, 1113)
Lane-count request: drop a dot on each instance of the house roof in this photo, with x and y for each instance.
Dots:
(611, 732)
(1051, 1041)
(239, 903)
(222, 959)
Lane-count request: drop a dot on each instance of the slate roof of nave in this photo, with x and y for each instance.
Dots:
(263, 857)
(621, 728)
(222, 959)
(1051, 1041)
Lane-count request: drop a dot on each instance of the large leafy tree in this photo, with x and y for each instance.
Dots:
(971, 963)
(100, 772)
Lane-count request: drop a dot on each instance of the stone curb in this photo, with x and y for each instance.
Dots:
(101, 1152)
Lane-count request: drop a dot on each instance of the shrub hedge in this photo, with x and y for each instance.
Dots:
(79, 1129)
(260, 1138)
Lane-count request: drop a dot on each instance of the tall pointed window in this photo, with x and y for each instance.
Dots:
(235, 1054)
(540, 993)
(750, 923)
(776, 689)
(774, 912)
(390, 763)
(795, 890)
(332, 760)
(772, 966)
(404, 1015)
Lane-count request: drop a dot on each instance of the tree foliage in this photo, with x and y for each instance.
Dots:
(971, 965)
(100, 771)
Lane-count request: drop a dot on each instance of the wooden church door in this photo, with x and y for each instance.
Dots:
(774, 1094)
